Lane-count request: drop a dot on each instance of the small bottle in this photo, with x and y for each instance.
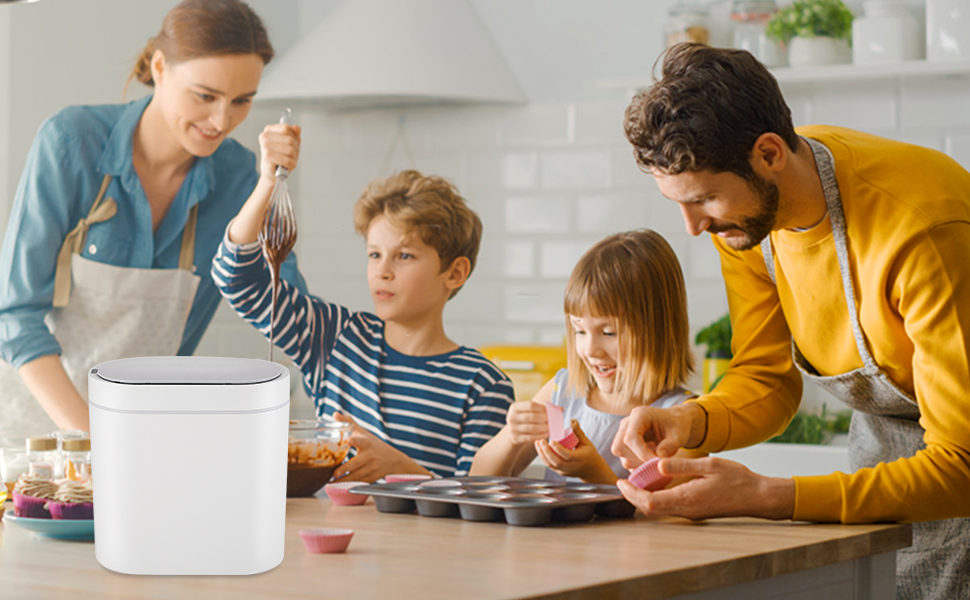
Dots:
(62, 435)
(77, 458)
(41, 454)
(687, 22)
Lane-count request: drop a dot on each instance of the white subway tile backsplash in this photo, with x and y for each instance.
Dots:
(537, 303)
(575, 170)
(665, 217)
(934, 104)
(538, 125)
(703, 259)
(958, 147)
(626, 173)
(520, 171)
(607, 214)
(559, 258)
(706, 303)
(512, 171)
(537, 215)
(333, 257)
(864, 106)
(464, 128)
(601, 122)
(519, 259)
(553, 336)
(476, 302)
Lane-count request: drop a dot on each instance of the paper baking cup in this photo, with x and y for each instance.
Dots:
(30, 507)
(405, 477)
(648, 476)
(569, 440)
(339, 493)
(71, 511)
(326, 540)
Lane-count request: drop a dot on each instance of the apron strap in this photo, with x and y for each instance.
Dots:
(187, 254)
(74, 241)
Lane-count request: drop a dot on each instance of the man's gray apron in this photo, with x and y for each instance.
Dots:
(885, 427)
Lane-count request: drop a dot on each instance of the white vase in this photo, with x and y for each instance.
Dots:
(804, 52)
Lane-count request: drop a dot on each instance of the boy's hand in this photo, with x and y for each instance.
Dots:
(584, 461)
(527, 422)
(279, 145)
(375, 457)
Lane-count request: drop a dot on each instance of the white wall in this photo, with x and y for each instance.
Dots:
(549, 178)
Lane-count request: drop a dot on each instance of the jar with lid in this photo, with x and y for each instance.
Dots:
(887, 33)
(750, 18)
(77, 458)
(41, 454)
(687, 22)
(63, 435)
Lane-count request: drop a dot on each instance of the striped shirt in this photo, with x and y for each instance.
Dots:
(439, 410)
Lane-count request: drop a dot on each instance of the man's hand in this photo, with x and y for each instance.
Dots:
(375, 457)
(717, 488)
(650, 432)
(583, 462)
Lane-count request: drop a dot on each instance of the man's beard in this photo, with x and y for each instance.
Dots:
(755, 228)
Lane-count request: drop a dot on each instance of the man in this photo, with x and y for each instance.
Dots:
(846, 257)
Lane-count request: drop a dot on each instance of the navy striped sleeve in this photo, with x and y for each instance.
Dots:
(306, 326)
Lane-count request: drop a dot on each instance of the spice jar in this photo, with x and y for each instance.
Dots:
(77, 458)
(63, 435)
(750, 18)
(41, 454)
(687, 23)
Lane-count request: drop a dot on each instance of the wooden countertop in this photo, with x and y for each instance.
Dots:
(408, 556)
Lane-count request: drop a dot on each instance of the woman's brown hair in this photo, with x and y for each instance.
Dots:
(706, 112)
(635, 279)
(201, 28)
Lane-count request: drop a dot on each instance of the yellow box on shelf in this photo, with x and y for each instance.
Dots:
(529, 367)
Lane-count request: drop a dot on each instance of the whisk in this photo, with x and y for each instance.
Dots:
(277, 235)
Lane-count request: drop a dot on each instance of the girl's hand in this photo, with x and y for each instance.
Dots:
(584, 462)
(279, 145)
(527, 422)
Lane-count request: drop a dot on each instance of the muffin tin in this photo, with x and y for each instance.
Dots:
(514, 500)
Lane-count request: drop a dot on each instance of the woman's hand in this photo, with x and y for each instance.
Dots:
(375, 457)
(650, 432)
(584, 461)
(279, 145)
(716, 488)
(527, 422)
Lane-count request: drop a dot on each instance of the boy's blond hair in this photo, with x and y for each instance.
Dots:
(427, 205)
(634, 278)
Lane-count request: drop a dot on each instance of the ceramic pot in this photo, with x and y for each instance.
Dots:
(803, 52)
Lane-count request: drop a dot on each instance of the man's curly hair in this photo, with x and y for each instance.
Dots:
(706, 112)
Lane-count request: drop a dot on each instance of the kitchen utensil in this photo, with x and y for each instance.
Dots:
(277, 235)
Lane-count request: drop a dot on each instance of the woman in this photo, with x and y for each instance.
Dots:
(118, 208)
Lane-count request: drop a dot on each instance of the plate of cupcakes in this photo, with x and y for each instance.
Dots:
(62, 509)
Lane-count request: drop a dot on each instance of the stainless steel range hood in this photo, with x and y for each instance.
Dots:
(394, 52)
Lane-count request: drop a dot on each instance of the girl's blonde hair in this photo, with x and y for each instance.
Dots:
(635, 278)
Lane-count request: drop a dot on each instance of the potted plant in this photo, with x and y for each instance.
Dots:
(717, 357)
(816, 32)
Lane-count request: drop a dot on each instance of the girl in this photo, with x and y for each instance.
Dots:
(120, 209)
(628, 345)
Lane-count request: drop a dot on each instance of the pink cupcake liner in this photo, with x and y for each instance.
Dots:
(326, 540)
(569, 440)
(80, 511)
(405, 477)
(339, 493)
(30, 507)
(648, 476)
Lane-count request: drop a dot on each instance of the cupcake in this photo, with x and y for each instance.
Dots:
(73, 500)
(30, 495)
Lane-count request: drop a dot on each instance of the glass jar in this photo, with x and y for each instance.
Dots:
(63, 435)
(887, 33)
(41, 454)
(947, 30)
(687, 22)
(750, 18)
(13, 464)
(77, 458)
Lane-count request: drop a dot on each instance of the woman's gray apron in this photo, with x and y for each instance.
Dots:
(885, 427)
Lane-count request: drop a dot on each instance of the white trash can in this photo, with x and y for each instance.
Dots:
(188, 458)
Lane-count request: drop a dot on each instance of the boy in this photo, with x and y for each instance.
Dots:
(422, 403)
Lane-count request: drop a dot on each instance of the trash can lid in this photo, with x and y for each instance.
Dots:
(188, 370)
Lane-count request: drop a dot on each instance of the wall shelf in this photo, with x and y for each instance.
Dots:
(915, 69)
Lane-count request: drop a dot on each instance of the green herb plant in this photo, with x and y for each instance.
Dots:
(807, 428)
(717, 338)
(811, 18)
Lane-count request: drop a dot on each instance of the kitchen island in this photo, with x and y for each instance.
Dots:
(408, 556)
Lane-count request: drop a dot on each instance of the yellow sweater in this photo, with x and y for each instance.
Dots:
(907, 212)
